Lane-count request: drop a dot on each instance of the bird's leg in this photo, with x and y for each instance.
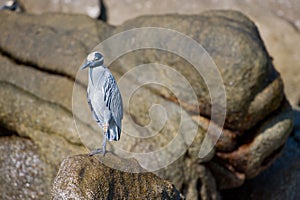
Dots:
(104, 146)
(99, 150)
(103, 150)
(105, 129)
(96, 151)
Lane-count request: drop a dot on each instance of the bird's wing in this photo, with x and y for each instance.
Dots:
(106, 91)
(112, 98)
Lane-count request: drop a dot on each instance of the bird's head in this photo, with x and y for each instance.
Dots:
(94, 59)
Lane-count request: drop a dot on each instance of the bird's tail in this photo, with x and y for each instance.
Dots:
(114, 132)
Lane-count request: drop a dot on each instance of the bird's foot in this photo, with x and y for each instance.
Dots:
(97, 151)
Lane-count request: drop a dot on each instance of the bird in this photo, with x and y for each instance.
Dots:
(9, 5)
(104, 99)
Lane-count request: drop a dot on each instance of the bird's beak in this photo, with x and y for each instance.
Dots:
(85, 65)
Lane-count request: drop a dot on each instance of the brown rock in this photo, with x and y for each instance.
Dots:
(256, 154)
(85, 177)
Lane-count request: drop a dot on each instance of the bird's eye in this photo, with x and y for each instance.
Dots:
(97, 56)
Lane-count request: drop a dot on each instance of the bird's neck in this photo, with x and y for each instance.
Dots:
(93, 71)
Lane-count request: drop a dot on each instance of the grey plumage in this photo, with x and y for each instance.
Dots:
(104, 99)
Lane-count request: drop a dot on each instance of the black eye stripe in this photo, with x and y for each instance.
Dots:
(98, 56)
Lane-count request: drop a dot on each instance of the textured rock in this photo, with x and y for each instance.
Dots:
(195, 180)
(47, 124)
(55, 43)
(253, 87)
(255, 155)
(278, 22)
(85, 177)
(24, 175)
(50, 87)
(49, 77)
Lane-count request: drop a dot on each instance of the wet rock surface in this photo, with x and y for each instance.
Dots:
(36, 98)
(85, 177)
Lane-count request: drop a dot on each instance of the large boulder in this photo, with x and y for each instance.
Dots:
(85, 177)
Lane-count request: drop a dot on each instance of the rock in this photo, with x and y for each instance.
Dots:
(280, 181)
(54, 88)
(297, 125)
(253, 87)
(22, 112)
(250, 101)
(49, 87)
(91, 8)
(227, 141)
(278, 22)
(195, 180)
(50, 78)
(85, 177)
(119, 12)
(24, 175)
(46, 124)
(46, 41)
(255, 155)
